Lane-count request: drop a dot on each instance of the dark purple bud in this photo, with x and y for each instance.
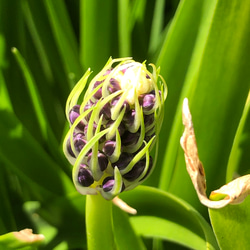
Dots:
(102, 160)
(114, 86)
(79, 141)
(149, 168)
(86, 129)
(149, 120)
(130, 139)
(102, 139)
(125, 104)
(148, 102)
(105, 111)
(109, 148)
(147, 76)
(149, 137)
(129, 118)
(86, 107)
(85, 177)
(137, 170)
(98, 94)
(121, 127)
(108, 184)
(70, 151)
(150, 133)
(73, 115)
(123, 161)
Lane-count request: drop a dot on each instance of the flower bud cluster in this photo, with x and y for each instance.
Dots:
(114, 129)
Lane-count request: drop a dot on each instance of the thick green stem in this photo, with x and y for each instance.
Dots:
(99, 223)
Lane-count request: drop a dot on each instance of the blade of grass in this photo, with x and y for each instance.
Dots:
(150, 202)
(37, 41)
(123, 28)
(45, 128)
(125, 235)
(97, 33)
(25, 157)
(237, 151)
(64, 36)
(174, 60)
(46, 46)
(219, 64)
(35, 97)
(157, 26)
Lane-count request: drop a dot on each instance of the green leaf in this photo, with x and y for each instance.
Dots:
(124, 233)
(219, 65)
(231, 225)
(34, 94)
(97, 33)
(174, 59)
(155, 227)
(169, 212)
(64, 36)
(29, 161)
(241, 145)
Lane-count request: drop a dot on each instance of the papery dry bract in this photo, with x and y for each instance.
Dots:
(232, 193)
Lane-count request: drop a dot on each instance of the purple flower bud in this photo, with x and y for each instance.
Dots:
(98, 94)
(73, 115)
(137, 170)
(121, 127)
(129, 118)
(130, 139)
(94, 129)
(125, 104)
(148, 102)
(123, 161)
(108, 184)
(149, 137)
(69, 149)
(105, 111)
(109, 147)
(149, 120)
(102, 160)
(86, 107)
(79, 141)
(114, 86)
(85, 177)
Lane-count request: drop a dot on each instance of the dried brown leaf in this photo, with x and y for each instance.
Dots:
(231, 193)
(26, 235)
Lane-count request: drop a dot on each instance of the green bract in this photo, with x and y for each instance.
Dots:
(114, 128)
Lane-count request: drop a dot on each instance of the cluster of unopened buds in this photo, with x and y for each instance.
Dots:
(115, 127)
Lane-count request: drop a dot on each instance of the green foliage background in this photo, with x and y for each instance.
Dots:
(203, 49)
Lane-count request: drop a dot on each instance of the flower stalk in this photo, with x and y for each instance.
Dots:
(99, 223)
